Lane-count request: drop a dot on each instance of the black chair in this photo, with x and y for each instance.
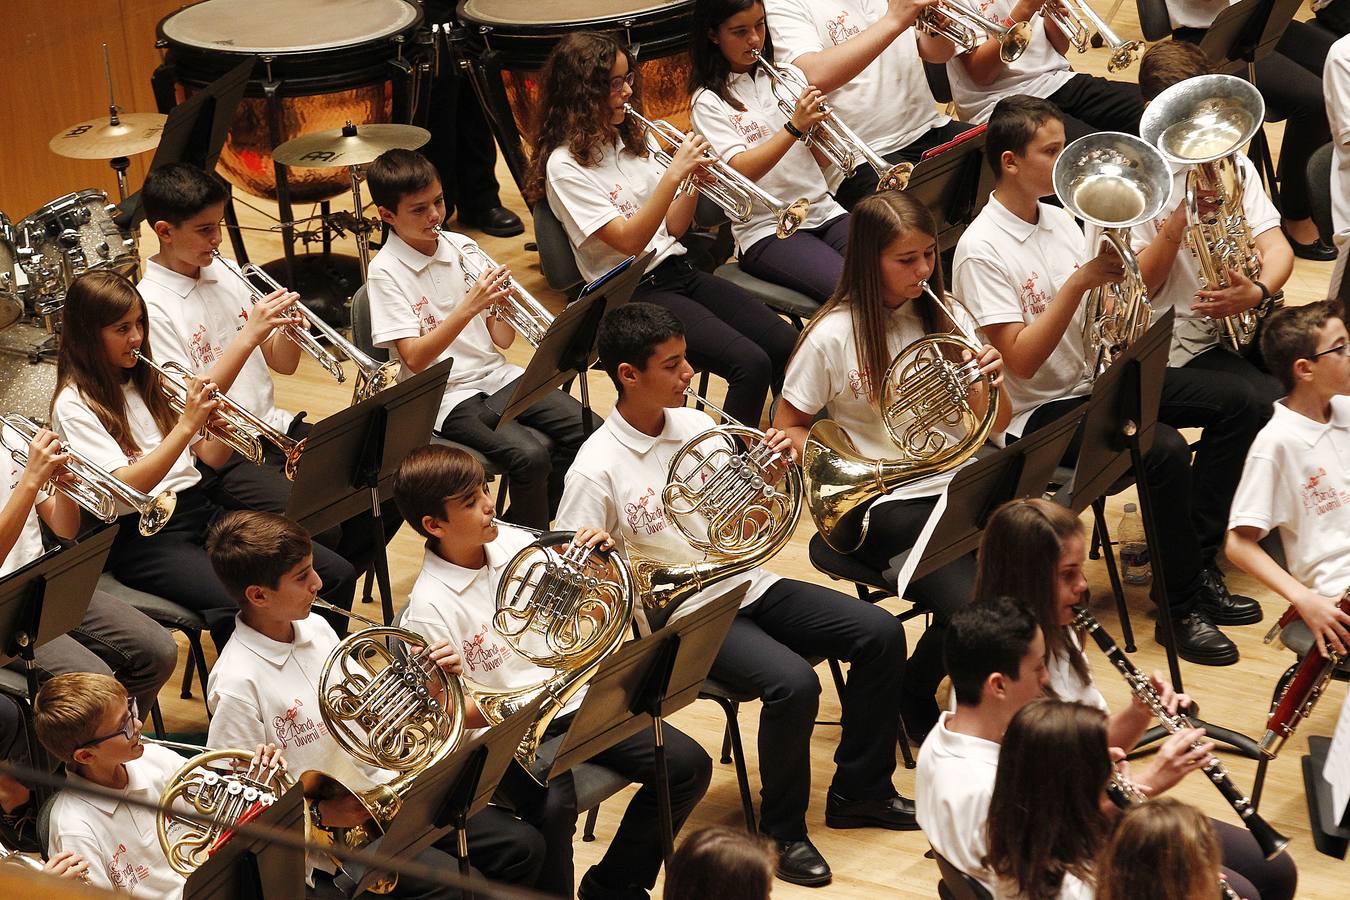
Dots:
(556, 259)
(957, 885)
(175, 618)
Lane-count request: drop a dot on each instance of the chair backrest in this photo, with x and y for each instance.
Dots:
(1319, 188)
(1154, 20)
(361, 326)
(960, 885)
(556, 259)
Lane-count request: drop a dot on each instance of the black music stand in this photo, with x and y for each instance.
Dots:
(1021, 469)
(254, 868)
(46, 599)
(443, 797)
(955, 185)
(351, 457)
(1330, 826)
(568, 349)
(642, 683)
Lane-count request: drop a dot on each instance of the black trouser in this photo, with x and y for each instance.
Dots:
(729, 333)
(892, 529)
(809, 261)
(1091, 104)
(863, 181)
(1265, 388)
(1249, 873)
(172, 563)
(634, 856)
(763, 653)
(1290, 80)
(461, 146)
(1190, 500)
(536, 468)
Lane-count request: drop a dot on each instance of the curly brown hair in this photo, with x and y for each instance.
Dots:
(573, 106)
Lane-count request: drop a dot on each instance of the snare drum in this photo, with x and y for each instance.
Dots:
(321, 64)
(71, 235)
(510, 39)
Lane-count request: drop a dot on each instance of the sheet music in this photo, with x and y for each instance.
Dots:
(915, 554)
(1336, 772)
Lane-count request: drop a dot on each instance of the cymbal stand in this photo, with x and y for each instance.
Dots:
(119, 164)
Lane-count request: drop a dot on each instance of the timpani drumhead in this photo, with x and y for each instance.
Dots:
(278, 27)
(579, 15)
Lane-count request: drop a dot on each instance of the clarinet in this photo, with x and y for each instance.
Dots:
(1272, 843)
(1304, 689)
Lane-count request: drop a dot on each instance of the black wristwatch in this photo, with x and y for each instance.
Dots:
(792, 130)
(1269, 301)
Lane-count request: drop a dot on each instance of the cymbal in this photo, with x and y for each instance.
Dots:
(351, 145)
(100, 139)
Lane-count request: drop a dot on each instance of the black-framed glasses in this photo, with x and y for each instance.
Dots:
(616, 83)
(1339, 350)
(128, 729)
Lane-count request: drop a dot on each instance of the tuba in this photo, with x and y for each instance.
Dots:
(720, 183)
(373, 376)
(224, 785)
(835, 140)
(1114, 181)
(521, 311)
(923, 392)
(1203, 123)
(967, 28)
(91, 486)
(563, 607)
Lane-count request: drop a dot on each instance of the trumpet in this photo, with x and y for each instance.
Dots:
(835, 140)
(238, 429)
(520, 310)
(720, 183)
(91, 486)
(1077, 20)
(373, 377)
(963, 25)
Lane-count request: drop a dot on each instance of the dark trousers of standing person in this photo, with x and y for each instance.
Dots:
(892, 529)
(809, 261)
(1290, 80)
(634, 856)
(1190, 500)
(863, 181)
(728, 332)
(172, 563)
(461, 146)
(1091, 104)
(536, 467)
(764, 654)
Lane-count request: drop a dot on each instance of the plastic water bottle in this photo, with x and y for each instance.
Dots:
(1134, 561)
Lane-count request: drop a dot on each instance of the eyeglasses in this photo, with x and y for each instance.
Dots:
(128, 729)
(1339, 350)
(616, 84)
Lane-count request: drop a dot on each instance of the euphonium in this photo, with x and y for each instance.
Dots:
(563, 607)
(521, 311)
(835, 140)
(231, 424)
(91, 486)
(226, 785)
(967, 28)
(1203, 123)
(373, 376)
(1077, 20)
(925, 398)
(1114, 181)
(720, 183)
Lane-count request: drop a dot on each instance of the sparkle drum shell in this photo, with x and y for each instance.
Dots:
(320, 64)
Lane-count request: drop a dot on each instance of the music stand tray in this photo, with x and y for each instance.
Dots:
(1247, 32)
(954, 184)
(1330, 826)
(255, 868)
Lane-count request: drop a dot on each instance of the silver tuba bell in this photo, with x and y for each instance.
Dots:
(1114, 181)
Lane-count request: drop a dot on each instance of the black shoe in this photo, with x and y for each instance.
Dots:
(1319, 250)
(18, 829)
(895, 813)
(1199, 641)
(799, 862)
(1221, 607)
(593, 888)
(498, 222)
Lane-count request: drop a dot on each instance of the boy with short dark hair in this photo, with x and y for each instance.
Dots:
(265, 686)
(424, 309)
(1017, 271)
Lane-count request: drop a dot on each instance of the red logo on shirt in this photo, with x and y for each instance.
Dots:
(860, 382)
(752, 131)
(426, 320)
(291, 730)
(625, 207)
(483, 655)
(125, 875)
(839, 30)
(1034, 300)
(199, 345)
(1319, 498)
(644, 518)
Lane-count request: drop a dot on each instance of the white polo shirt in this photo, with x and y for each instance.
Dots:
(1297, 480)
(193, 319)
(732, 131)
(952, 788)
(1008, 270)
(28, 546)
(587, 198)
(825, 373)
(1066, 684)
(1336, 90)
(616, 484)
(78, 426)
(888, 104)
(411, 293)
(120, 840)
(455, 604)
(1038, 72)
(1193, 334)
